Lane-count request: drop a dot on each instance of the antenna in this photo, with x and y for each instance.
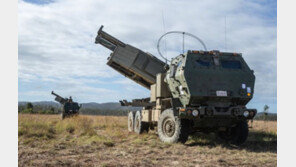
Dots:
(164, 39)
(178, 32)
(225, 36)
(183, 41)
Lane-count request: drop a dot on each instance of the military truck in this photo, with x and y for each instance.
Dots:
(69, 108)
(199, 91)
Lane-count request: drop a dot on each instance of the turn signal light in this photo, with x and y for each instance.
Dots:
(189, 112)
(251, 114)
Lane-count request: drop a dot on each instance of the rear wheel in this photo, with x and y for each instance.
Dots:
(140, 126)
(172, 129)
(130, 121)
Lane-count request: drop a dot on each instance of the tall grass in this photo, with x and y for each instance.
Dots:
(32, 126)
(83, 129)
(101, 129)
(264, 126)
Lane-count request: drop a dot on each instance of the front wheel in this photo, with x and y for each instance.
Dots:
(236, 135)
(240, 133)
(172, 129)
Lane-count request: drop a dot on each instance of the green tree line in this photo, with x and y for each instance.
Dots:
(29, 108)
(266, 117)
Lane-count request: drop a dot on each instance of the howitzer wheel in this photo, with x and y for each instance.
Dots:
(63, 115)
(172, 129)
(140, 126)
(130, 121)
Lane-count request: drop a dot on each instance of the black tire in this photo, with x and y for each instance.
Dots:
(130, 121)
(236, 135)
(140, 126)
(240, 133)
(224, 135)
(172, 129)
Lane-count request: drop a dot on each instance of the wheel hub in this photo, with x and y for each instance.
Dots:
(168, 127)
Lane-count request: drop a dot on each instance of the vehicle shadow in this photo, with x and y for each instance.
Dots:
(256, 142)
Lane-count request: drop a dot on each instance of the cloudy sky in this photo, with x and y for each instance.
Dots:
(57, 51)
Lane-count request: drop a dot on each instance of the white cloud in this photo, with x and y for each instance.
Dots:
(56, 40)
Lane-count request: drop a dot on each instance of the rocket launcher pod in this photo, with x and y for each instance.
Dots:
(131, 62)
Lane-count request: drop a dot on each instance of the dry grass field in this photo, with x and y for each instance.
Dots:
(45, 140)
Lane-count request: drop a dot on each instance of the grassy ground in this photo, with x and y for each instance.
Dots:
(45, 140)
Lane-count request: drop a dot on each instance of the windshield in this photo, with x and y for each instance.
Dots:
(204, 63)
(231, 64)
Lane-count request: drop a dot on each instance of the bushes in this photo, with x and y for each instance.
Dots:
(266, 117)
(37, 109)
(29, 108)
(91, 111)
(31, 111)
(27, 111)
(46, 112)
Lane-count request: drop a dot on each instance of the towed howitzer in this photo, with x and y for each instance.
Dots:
(70, 108)
(199, 90)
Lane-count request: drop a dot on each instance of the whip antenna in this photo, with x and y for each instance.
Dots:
(225, 36)
(164, 39)
(178, 32)
(183, 41)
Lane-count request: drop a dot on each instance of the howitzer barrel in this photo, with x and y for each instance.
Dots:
(54, 94)
(59, 98)
(131, 62)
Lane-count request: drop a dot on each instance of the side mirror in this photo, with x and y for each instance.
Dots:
(166, 67)
(173, 71)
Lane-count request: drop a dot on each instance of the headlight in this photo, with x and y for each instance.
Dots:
(195, 113)
(246, 114)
